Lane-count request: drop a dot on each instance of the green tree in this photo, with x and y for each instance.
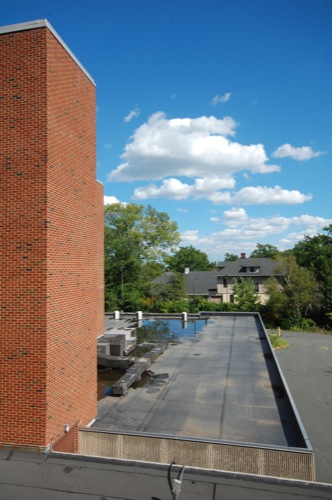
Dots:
(315, 254)
(276, 307)
(137, 240)
(299, 286)
(171, 287)
(268, 251)
(245, 298)
(170, 297)
(230, 257)
(190, 257)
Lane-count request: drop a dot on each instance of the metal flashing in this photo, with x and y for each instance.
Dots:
(43, 23)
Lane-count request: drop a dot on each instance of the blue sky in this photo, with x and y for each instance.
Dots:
(216, 112)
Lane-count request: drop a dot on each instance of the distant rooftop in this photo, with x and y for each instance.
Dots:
(262, 265)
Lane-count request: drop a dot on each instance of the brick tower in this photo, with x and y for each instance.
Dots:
(51, 240)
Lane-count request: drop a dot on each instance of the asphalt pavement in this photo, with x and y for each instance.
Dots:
(307, 367)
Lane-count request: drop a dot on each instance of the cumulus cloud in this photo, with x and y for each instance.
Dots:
(310, 226)
(235, 217)
(110, 200)
(301, 154)
(241, 232)
(133, 114)
(238, 222)
(171, 188)
(189, 237)
(262, 195)
(219, 99)
(175, 189)
(188, 147)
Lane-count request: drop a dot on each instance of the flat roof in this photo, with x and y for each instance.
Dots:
(224, 385)
(43, 23)
(36, 476)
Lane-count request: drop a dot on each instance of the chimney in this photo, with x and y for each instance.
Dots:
(242, 255)
(186, 270)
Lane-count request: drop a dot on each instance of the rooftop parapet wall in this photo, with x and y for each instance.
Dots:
(233, 457)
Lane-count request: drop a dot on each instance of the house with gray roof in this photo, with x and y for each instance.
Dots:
(217, 286)
(256, 269)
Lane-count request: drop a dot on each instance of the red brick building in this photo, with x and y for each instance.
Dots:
(51, 240)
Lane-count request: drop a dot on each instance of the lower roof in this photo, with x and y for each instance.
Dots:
(224, 384)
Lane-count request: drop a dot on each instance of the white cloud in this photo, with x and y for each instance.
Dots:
(241, 233)
(300, 154)
(110, 200)
(310, 225)
(188, 147)
(133, 114)
(311, 221)
(175, 189)
(235, 217)
(262, 195)
(107, 146)
(218, 99)
(214, 219)
(220, 197)
(292, 238)
(171, 188)
(239, 224)
(189, 237)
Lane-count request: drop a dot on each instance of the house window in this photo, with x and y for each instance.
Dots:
(224, 283)
(257, 287)
(253, 269)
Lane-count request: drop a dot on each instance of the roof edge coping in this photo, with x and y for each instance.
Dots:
(43, 23)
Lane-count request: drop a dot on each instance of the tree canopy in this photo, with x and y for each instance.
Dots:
(315, 253)
(190, 257)
(137, 240)
(268, 251)
(245, 298)
(230, 257)
(299, 285)
(293, 296)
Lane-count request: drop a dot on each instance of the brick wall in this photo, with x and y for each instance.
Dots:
(51, 215)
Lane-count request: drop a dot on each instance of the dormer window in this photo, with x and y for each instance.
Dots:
(253, 269)
(249, 269)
